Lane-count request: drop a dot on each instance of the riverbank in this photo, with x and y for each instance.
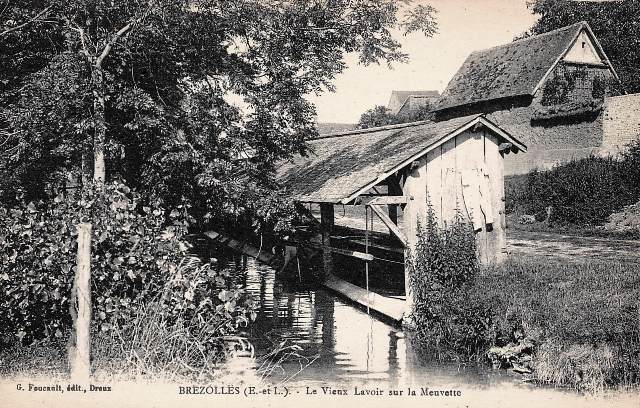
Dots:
(579, 316)
(577, 322)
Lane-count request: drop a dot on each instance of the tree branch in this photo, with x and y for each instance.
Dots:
(111, 43)
(26, 23)
(83, 41)
(122, 32)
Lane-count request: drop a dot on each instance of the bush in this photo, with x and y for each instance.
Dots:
(138, 256)
(450, 320)
(582, 192)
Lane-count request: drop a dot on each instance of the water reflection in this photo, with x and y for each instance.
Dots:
(339, 344)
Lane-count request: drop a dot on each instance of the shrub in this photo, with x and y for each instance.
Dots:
(138, 256)
(582, 192)
(450, 320)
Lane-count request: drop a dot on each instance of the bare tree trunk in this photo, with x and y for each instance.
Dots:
(99, 125)
(80, 357)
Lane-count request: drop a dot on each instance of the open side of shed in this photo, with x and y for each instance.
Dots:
(453, 166)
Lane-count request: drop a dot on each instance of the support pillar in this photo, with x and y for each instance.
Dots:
(326, 227)
(393, 188)
(415, 189)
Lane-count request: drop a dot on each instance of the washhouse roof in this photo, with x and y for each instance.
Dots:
(340, 167)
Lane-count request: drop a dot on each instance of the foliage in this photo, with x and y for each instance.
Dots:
(187, 87)
(582, 192)
(381, 116)
(138, 255)
(567, 109)
(442, 271)
(614, 23)
(159, 347)
(377, 116)
(559, 87)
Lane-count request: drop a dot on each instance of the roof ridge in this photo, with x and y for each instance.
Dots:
(372, 129)
(557, 30)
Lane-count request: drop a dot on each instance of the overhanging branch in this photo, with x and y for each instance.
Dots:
(26, 23)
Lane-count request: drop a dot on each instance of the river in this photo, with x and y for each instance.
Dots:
(327, 339)
(308, 338)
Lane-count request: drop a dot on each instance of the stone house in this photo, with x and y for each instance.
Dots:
(557, 92)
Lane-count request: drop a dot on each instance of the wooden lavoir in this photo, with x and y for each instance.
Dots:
(396, 172)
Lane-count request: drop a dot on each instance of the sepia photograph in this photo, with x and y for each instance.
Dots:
(312, 203)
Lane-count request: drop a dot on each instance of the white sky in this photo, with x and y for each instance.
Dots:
(463, 26)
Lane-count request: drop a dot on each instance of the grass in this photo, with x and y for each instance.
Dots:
(584, 318)
(150, 348)
(514, 223)
(154, 351)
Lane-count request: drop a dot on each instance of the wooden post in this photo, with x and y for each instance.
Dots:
(415, 189)
(326, 227)
(496, 239)
(394, 188)
(80, 358)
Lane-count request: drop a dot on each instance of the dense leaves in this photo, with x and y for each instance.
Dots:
(138, 255)
(582, 192)
(450, 321)
(197, 100)
(381, 116)
(616, 24)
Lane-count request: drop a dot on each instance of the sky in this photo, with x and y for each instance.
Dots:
(463, 26)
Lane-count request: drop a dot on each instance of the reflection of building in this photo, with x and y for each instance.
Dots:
(551, 91)
(404, 102)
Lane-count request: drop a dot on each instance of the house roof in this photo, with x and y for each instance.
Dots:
(398, 98)
(340, 167)
(513, 69)
(403, 95)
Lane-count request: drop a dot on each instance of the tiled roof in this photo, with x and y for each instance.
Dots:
(339, 166)
(508, 70)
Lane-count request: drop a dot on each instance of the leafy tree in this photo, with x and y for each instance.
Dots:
(377, 116)
(145, 90)
(381, 116)
(616, 24)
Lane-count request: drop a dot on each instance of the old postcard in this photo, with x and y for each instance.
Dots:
(375, 203)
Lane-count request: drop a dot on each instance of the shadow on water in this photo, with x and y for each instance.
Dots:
(337, 343)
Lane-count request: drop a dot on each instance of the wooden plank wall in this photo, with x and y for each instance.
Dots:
(469, 150)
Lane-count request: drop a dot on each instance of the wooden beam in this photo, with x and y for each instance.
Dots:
(341, 251)
(354, 254)
(387, 306)
(304, 210)
(392, 227)
(387, 200)
(378, 246)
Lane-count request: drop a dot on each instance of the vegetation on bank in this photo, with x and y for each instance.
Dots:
(580, 194)
(568, 324)
(153, 303)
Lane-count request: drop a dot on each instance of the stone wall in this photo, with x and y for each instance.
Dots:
(606, 128)
(621, 122)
